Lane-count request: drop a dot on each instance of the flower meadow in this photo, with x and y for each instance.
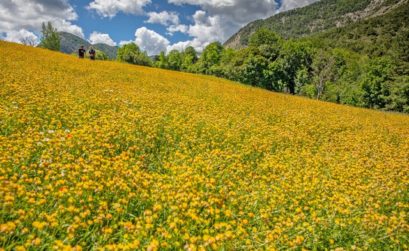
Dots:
(110, 156)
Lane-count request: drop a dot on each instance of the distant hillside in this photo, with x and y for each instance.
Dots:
(70, 43)
(109, 50)
(380, 35)
(317, 17)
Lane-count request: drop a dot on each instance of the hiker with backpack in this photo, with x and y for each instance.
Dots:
(81, 52)
(92, 53)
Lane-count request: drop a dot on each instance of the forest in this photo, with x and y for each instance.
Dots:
(308, 67)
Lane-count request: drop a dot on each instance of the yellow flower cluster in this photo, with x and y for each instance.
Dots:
(109, 156)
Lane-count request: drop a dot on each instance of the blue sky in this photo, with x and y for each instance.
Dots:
(122, 27)
(155, 25)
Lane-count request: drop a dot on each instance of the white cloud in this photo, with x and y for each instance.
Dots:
(63, 25)
(22, 36)
(109, 8)
(218, 20)
(150, 41)
(101, 38)
(165, 18)
(181, 46)
(16, 15)
(292, 4)
(168, 19)
(178, 28)
(237, 12)
(124, 42)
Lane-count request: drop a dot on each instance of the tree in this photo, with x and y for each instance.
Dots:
(253, 71)
(51, 38)
(131, 53)
(402, 38)
(377, 83)
(294, 57)
(189, 58)
(162, 61)
(264, 36)
(399, 98)
(175, 60)
(210, 57)
(324, 68)
(226, 67)
(100, 55)
(275, 74)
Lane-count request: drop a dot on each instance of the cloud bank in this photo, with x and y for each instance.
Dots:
(101, 38)
(110, 8)
(214, 20)
(22, 15)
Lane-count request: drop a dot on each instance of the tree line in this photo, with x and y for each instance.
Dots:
(298, 67)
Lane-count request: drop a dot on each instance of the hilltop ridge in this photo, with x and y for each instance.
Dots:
(317, 17)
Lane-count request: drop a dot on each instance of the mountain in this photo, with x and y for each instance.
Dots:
(317, 17)
(70, 44)
(386, 33)
(107, 49)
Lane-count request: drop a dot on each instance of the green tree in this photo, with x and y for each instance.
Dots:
(131, 53)
(253, 71)
(294, 56)
(100, 55)
(402, 38)
(376, 84)
(210, 57)
(174, 60)
(189, 58)
(162, 61)
(226, 67)
(399, 98)
(345, 89)
(264, 36)
(325, 68)
(50, 39)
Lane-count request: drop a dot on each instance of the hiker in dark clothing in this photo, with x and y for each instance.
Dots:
(81, 52)
(92, 53)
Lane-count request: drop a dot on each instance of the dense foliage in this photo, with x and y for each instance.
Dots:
(382, 35)
(317, 17)
(130, 53)
(50, 39)
(107, 156)
(309, 68)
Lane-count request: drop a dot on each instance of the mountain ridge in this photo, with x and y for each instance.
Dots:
(314, 18)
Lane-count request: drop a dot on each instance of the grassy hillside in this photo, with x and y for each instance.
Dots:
(320, 16)
(115, 156)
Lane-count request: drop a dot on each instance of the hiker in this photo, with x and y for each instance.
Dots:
(81, 52)
(92, 53)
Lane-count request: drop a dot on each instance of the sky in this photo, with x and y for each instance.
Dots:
(154, 25)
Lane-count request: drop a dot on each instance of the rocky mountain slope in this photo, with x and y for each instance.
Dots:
(317, 17)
